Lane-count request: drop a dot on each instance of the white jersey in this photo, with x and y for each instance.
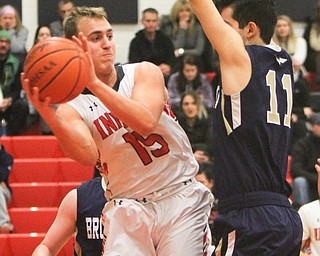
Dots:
(310, 217)
(136, 166)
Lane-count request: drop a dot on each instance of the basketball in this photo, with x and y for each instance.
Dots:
(58, 67)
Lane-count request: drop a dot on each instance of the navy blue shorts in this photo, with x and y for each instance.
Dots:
(258, 229)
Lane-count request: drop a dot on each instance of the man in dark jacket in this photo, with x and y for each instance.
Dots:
(151, 44)
(6, 162)
(305, 153)
(13, 109)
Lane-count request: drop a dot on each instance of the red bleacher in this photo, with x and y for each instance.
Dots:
(41, 176)
(24, 244)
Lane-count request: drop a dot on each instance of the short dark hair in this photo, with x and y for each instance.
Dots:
(207, 170)
(151, 10)
(261, 12)
(63, 2)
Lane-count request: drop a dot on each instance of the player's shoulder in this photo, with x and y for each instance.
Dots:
(147, 69)
(312, 206)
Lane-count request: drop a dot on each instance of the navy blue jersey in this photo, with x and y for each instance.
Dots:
(252, 128)
(90, 202)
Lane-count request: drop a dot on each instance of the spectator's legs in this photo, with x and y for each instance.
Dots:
(301, 191)
(18, 113)
(5, 197)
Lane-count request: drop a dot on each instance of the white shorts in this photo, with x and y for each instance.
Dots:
(171, 226)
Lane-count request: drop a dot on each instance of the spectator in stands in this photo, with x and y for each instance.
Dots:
(311, 53)
(150, 44)
(184, 30)
(65, 7)
(6, 162)
(313, 37)
(13, 109)
(42, 32)
(79, 214)
(304, 156)
(10, 20)
(296, 46)
(309, 214)
(195, 122)
(189, 78)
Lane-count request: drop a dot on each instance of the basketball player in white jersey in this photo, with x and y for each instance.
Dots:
(311, 224)
(155, 206)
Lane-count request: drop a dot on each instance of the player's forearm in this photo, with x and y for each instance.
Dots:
(135, 113)
(75, 139)
(42, 250)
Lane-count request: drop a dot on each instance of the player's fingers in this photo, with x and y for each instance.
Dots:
(47, 101)
(25, 85)
(77, 40)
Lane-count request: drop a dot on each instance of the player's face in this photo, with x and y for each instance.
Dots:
(189, 107)
(226, 15)
(100, 40)
(150, 22)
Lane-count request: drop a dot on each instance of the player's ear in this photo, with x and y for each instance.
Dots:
(252, 29)
(252, 32)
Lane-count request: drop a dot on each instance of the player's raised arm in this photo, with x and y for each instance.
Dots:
(234, 60)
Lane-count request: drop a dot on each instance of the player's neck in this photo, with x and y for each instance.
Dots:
(110, 78)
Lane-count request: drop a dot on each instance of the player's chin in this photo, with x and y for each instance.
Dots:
(107, 57)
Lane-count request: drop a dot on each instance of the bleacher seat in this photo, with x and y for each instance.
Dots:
(34, 219)
(49, 170)
(19, 244)
(210, 76)
(32, 146)
(40, 178)
(40, 194)
(24, 244)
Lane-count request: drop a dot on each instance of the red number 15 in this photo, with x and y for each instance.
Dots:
(139, 144)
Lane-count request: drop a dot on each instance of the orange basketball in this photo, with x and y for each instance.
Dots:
(58, 67)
